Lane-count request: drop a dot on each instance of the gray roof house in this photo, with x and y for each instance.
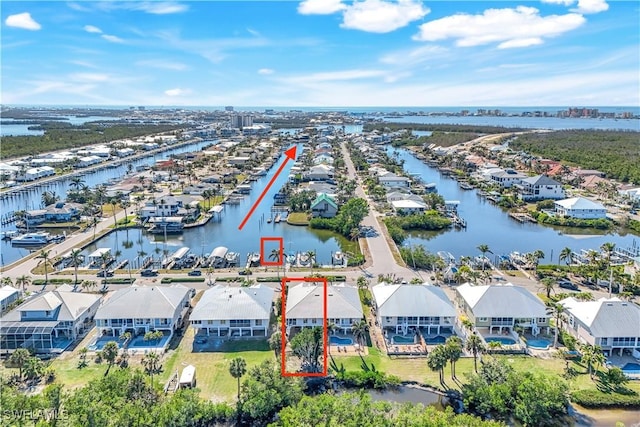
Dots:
(8, 295)
(611, 323)
(48, 322)
(502, 307)
(225, 311)
(540, 187)
(140, 309)
(305, 306)
(409, 307)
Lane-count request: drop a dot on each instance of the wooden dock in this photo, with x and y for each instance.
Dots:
(521, 217)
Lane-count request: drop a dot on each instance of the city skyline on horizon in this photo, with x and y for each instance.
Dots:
(322, 54)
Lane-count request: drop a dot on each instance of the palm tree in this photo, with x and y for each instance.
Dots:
(105, 259)
(453, 348)
(475, 346)
(76, 259)
(312, 258)
(275, 343)
(76, 182)
(114, 202)
(555, 310)
(548, 284)
(237, 369)
(360, 331)
(100, 193)
(593, 357)
(566, 255)
(275, 257)
(44, 256)
(23, 281)
(18, 359)
(151, 363)
(362, 283)
(437, 360)
(484, 249)
(7, 281)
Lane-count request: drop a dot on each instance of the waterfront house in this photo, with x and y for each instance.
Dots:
(165, 206)
(140, 309)
(32, 174)
(323, 187)
(390, 180)
(581, 208)
(324, 206)
(500, 308)
(35, 217)
(540, 187)
(62, 212)
(320, 173)
(399, 308)
(611, 323)
(408, 207)
(305, 306)
(225, 311)
(506, 178)
(48, 322)
(325, 159)
(8, 295)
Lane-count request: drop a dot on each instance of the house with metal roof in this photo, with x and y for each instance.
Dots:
(401, 308)
(141, 309)
(48, 322)
(324, 206)
(579, 207)
(8, 295)
(611, 323)
(500, 308)
(540, 187)
(225, 311)
(305, 306)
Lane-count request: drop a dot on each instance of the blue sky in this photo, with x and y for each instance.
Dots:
(321, 53)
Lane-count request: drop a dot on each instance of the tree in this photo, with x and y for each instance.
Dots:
(312, 258)
(33, 368)
(566, 255)
(453, 348)
(484, 249)
(237, 369)
(153, 336)
(308, 346)
(360, 331)
(44, 256)
(23, 281)
(7, 281)
(275, 343)
(437, 360)
(76, 259)
(592, 356)
(151, 363)
(83, 357)
(475, 346)
(275, 257)
(18, 359)
(548, 284)
(555, 310)
(362, 283)
(109, 353)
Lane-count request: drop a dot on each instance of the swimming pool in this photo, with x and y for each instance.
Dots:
(501, 340)
(335, 340)
(436, 340)
(401, 339)
(540, 344)
(631, 368)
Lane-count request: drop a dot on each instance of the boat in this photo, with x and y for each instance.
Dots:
(217, 257)
(277, 219)
(253, 259)
(304, 259)
(8, 235)
(338, 258)
(269, 220)
(447, 257)
(291, 259)
(166, 225)
(465, 186)
(232, 259)
(31, 239)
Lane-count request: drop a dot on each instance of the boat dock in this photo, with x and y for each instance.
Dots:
(522, 217)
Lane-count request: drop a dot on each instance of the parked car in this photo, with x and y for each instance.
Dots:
(195, 273)
(245, 272)
(103, 273)
(566, 284)
(149, 273)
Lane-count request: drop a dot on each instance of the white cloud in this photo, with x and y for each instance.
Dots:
(177, 92)
(522, 26)
(414, 56)
(161, 8)
(320, 7)
(163, 64)
(92, 29)
(22, 20)
(112, 39)
(83, 63)
(265, 71)
(378, 16)
(561, 2)
(90, 77)
(591, 6)
(332, 76)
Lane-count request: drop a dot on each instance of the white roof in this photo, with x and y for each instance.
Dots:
(502, 301)
(69, 305)
(98, 252)
(306, 300)
(606, 317)
(580, 203)
(412, 300)
(144, 302)
(407, 204)
(231, 303)
(219, 252)
(187, 374)
(7, 291)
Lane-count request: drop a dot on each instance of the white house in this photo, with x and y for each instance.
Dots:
(390, 180)
(323, 159)
(305, 306)
(506, 178)
(320, 173)
(225, 311)
(579, 207)
(502, 307)
(48, 322)
(400, 308)
(140, 309)
(608, 322)
(540, 187)
(8, 295)
(166, 206)
(408, 206)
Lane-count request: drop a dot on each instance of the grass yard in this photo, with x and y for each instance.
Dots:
(298, 218)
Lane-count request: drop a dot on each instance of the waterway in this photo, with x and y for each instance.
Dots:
(23, 129)
(489, 224)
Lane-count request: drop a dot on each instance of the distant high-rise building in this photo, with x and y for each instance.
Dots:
(228, 108)
(241, 121)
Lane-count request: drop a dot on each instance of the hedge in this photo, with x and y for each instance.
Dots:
(181, 279)
(598, 399)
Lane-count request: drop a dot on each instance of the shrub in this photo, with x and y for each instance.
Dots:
(568, 340)
(598, 399)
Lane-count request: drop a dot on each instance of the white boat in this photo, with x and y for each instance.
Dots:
(8, 235)
(337, 258)
(447, 257)
(31, 239)
(232, 258)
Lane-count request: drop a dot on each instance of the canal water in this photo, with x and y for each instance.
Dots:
(23, 129)
(489, 224)
(224, 232)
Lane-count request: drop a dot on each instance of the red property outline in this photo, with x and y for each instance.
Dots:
(280, 241)
(325, 335)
